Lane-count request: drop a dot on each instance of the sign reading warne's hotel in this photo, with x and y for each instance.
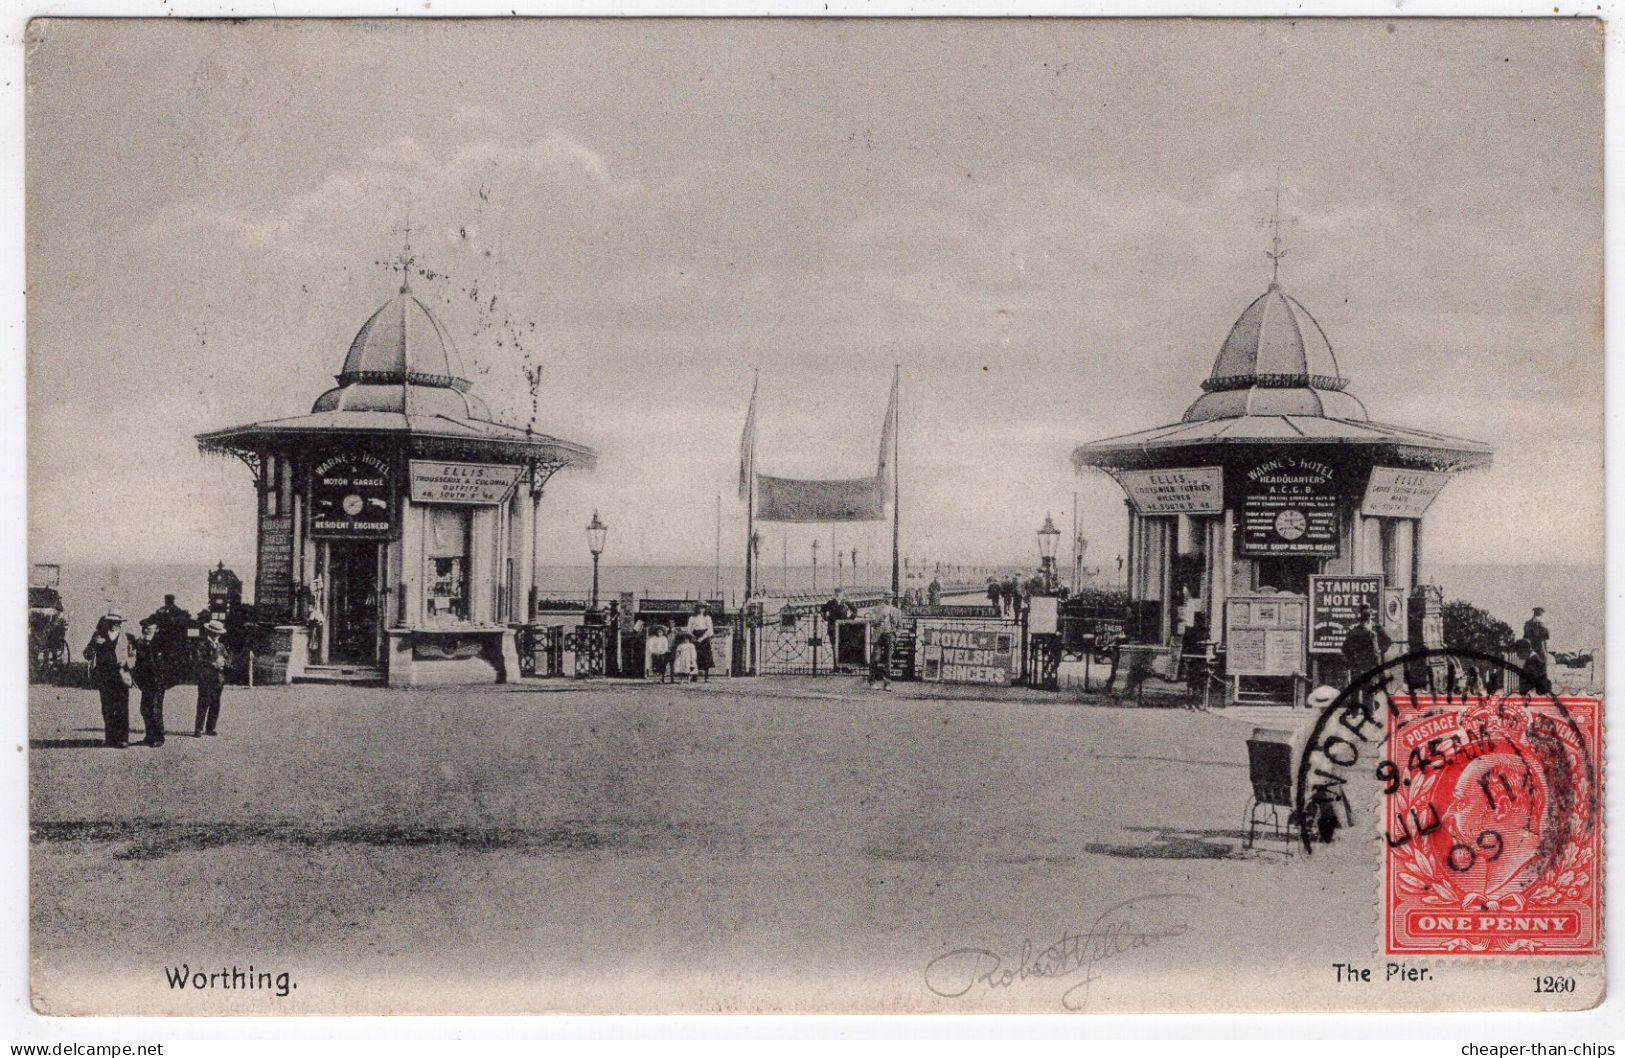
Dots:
(477, 483)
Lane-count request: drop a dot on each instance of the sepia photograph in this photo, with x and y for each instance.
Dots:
(831, 515)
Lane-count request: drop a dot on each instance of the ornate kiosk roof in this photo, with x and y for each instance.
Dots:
(403, 377)
(1276, 382)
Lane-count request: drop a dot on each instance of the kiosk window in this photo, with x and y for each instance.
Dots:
(446, 555)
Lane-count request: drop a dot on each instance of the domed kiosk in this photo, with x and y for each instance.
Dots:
(396, 525)
(1275, 508)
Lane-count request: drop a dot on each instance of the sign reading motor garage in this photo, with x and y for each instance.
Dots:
(350, 496)
(1290, 508)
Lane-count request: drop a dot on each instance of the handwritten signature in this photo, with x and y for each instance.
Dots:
(1113, 933)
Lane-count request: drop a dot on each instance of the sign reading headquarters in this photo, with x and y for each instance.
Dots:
(350, 497)
(1290, 508)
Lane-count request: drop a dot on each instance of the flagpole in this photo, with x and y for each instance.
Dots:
(750, 501)
(896, 486)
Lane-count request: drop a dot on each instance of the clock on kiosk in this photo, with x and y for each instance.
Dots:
(1291, 524)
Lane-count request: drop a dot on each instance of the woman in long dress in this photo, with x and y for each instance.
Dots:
(683, 655)
(702, 629)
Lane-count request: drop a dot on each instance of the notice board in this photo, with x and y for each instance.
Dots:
(1264, 634)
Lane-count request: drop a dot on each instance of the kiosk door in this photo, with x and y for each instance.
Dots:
(352, 619)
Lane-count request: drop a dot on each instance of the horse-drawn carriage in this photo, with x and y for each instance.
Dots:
(48, 652)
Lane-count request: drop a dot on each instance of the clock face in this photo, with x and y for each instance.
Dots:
(352, 505)
(1290, 524)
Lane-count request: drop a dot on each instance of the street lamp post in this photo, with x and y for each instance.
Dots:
(815, 565)
(1048, 537)
(596, 532)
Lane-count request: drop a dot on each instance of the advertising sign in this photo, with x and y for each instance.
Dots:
(350, 497)
(472, 483)
(1393, 493)
(1334, 608)
(1264, 634)
(1290, 508)
(948, 652)
(1181, 490)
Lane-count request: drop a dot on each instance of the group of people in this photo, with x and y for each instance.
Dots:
(163, 656)
(1366, 645)
(676, 652)
(1006, 596)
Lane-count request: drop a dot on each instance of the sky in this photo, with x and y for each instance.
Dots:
(1050, 226)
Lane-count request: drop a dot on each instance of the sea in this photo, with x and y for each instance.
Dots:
(1573, 596)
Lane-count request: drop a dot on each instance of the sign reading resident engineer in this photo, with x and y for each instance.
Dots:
(965, 655)
(1179, 490)
(475, 483)
(1393, 493)
(350, 497)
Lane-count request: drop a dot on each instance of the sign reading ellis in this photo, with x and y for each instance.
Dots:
(1393, 493)
(1290, 508)
(350, 497)
(474, 483)
(1335, 601)
(1179, 490)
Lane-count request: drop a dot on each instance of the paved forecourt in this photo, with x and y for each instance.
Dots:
(748, 844)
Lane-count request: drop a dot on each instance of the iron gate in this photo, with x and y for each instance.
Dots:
(793, 644)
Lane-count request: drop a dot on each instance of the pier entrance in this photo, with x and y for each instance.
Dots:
(352, 611)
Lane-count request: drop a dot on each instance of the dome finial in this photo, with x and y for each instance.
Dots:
(1275, 253)
(407, 260)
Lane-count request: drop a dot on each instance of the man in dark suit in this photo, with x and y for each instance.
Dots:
(211, 678)
(151, 675)
(111, 658)
(1364, 646)
(837, 609)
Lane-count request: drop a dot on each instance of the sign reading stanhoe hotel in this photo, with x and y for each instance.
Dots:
(1178, 490)
(475, 483)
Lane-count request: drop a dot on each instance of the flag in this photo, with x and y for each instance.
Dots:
(803, 500)
(747, 446)
(888, 442)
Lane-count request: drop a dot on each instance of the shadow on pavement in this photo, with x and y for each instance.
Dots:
(1172, 843)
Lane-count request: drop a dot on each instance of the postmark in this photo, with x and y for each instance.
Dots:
(1490, 808)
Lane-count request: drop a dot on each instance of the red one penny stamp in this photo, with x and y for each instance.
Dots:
(1492, 826)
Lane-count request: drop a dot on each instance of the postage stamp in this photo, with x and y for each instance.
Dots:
(1491, 842)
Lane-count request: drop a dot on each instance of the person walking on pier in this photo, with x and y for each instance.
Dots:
(211, 678)
(112, 657)
(151, 673)
(885, 620)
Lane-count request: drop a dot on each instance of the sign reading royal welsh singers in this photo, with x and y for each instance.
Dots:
(473, 483)
(1290, 508)
(350, 497)
(948, 652)
(1178, 490)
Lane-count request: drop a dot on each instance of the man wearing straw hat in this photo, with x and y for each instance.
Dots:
(112, 657)
(211, 677)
